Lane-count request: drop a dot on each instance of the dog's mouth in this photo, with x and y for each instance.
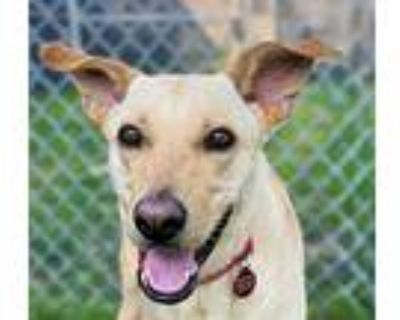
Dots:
(168, 274)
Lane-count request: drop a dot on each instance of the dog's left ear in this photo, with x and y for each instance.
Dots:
(102, 82)
(271, 75)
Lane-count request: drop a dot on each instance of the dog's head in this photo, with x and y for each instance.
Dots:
(182, 146)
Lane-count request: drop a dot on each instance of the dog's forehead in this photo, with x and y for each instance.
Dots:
(187, 101)
(198, 91)
(181, 96)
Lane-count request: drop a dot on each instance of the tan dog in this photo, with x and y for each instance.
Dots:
(208, 230)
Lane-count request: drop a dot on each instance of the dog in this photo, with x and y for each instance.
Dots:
(208, 228)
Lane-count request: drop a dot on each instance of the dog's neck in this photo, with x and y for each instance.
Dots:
(236, 260)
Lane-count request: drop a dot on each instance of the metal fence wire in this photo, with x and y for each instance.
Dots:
(325, 152)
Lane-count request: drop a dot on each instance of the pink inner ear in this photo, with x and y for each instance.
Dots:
(111, 98)
(272, 88)
(103, 99)
(268, 86)
(98, 87)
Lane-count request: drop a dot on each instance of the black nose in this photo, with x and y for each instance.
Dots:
(159, 217)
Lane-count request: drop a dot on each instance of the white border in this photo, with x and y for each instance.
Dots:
(13, 160)
(388, 161)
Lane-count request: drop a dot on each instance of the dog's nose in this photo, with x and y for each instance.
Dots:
(159, 217)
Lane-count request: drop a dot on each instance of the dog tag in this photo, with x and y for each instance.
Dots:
(244, 283)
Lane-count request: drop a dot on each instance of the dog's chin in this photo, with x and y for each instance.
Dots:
(169, 274)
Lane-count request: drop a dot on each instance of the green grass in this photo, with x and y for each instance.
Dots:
(59, 309)
(53, 309)
(339, 309)
(64, 149)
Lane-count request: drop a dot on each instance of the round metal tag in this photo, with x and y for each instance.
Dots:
(244, 283)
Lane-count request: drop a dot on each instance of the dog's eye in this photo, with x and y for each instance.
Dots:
(219, 139)
(130, 136)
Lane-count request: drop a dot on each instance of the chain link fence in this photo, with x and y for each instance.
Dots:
(325, 152)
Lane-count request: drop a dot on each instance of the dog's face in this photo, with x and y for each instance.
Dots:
(193, 140)
(182, 146)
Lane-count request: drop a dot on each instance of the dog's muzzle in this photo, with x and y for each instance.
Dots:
(169, 274)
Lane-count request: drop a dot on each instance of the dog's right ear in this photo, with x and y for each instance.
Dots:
(272, 74)
(102, 82)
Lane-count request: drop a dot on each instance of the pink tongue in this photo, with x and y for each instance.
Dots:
(168, 270)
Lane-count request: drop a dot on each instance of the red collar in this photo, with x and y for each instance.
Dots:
(247, 249)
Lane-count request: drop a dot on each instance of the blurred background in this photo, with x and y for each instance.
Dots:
(325, 152)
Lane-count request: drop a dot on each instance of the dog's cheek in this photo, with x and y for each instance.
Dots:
(222, 185)
(203, 210)
(121, 174)
(236, 171)
(116, 170)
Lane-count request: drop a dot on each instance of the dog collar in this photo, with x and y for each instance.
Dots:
(245, 281)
